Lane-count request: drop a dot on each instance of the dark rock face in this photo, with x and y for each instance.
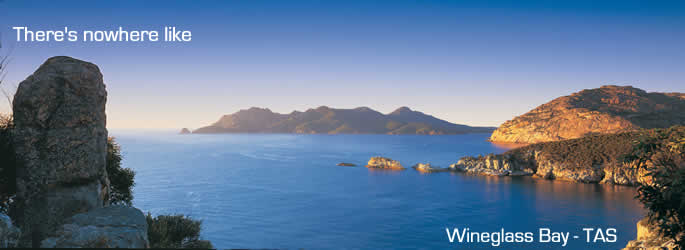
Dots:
(325, 120)
(108, 227)
(609, 109)
(8, 233)
(60, 141)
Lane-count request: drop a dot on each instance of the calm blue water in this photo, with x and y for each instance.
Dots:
(285, 191)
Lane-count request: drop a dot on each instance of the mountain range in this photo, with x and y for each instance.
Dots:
(325, 120)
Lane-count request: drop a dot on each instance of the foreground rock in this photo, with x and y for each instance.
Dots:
(60, 141)
(428, 168)
(384, 163)
(9, 234)
(609, 109)
(648, 238)
(108, 227)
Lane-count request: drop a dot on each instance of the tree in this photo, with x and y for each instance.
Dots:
(662, 153)
(121, 180)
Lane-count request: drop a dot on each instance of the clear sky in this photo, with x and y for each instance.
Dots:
(468, 62)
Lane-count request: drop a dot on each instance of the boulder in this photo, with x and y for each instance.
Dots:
(60, 140)
(107, 227)
(9, 234)
(384, 163)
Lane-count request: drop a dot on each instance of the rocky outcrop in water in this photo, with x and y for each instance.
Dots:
(60, 141)
(428, 168)
(108, 227)
(184, 131)
(346, 164)
(609, 109)
(384, 163)
(495, 165)
(648, 238)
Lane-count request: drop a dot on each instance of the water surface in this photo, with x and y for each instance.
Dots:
(285, 191)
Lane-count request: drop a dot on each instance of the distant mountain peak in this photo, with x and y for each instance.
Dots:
(403, 109)
(258, 109)
(325, 120)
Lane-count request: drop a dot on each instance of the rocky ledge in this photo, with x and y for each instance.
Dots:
(648, 238)
(107, 227)
(384, 163)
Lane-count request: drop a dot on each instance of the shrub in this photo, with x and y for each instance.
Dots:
(592, 150)
(175, 231)
(7, 164)
(121, 179)
(662, 153)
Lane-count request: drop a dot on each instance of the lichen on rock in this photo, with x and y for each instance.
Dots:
(60, 141)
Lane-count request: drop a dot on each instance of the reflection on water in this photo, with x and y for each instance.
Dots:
(284, 191)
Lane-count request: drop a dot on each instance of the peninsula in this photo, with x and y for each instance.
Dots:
(325, 120)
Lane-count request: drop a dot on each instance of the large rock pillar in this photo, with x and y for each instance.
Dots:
(61, 145)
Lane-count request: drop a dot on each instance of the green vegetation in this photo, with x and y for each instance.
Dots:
(592, 150)
(175, 231)
(662, 153)
(7, 164)
(121, 179)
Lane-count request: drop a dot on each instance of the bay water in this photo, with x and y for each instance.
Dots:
(285, 191)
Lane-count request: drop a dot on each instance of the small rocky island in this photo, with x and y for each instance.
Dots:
(184, 131)
(346, 164)
(378, 162)
(428, 168)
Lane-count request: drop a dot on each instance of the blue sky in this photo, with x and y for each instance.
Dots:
(469, 62)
